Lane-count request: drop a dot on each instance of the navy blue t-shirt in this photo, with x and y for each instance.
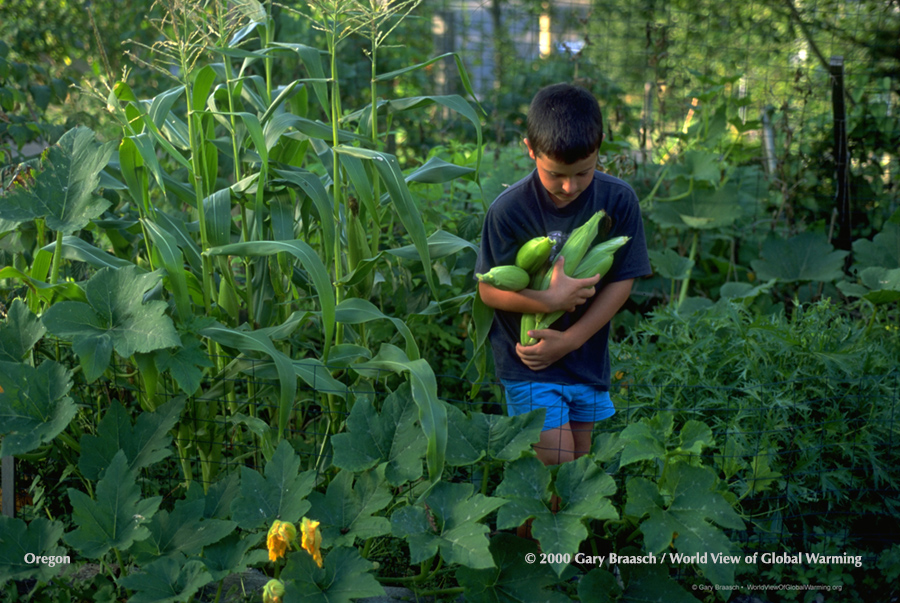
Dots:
(524, 211)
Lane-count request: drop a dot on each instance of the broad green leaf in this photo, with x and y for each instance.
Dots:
(35, 406)
(668, 264)
(63, 189)
(526, 488)
(18, 539)
(116, 518)
(583, 489)
(346, 510)
(407, 210)
(883, 284)
(651, 584)
(685, 523)
(390, 436)
(166, 580)
(694, 437)
(883, 250)
(185, 364)
(448, 522)
(115, 318)
(704, 166)
(345, 577)
(512, 580)
(599, 586)
(702, 209)
(143, 444)
(640, 444)
(232, 555)
(281, 494)
(19, 332)
(805, 257)
(432, 414)
(183, 531)
(479, 436)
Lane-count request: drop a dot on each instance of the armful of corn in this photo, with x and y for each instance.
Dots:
(583, 260)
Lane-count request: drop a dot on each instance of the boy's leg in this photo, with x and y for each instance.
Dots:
(581, 437)
(556, 446)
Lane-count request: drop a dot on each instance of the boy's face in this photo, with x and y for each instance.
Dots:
(564, 181)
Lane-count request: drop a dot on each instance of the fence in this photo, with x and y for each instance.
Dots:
(646, 61)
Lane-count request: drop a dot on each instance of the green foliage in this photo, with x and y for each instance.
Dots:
(279, 494)
(447, 521)
(116, 518)
(34, 405)
(115, 317)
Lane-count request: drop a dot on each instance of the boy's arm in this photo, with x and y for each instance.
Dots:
(564, 293)
(553, 344)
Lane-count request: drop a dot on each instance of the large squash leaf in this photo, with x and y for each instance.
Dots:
(513, 580)
(280, 494)
(19, 332)
(344, 577)
(34, 405)
(115, 519)
(685, 522)
(805, 257)
(144, 443)
(495, 437)
(390, 436)
(63, 189)
(115, 318)
(18, 539)
(448, 521)
(346, 511)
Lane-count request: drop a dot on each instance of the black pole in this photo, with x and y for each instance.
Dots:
(841, 156)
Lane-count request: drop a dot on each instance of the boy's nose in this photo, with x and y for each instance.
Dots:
(568, 186)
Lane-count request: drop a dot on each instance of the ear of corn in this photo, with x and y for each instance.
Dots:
(507, 278)
(534, 253)
(528, 323)
(598, 260)
(577, 245)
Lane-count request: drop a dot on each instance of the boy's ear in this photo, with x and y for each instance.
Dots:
(530, 150)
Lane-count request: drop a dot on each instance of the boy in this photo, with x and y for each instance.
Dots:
(568, 370)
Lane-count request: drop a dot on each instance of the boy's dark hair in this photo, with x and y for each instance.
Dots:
(564, 123)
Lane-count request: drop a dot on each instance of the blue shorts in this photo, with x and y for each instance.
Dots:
(564, 403)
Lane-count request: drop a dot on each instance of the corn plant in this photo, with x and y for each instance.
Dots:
(250, 221)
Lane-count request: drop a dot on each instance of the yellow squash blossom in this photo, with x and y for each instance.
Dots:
(311, 539)
(281, 535)
(273, 591)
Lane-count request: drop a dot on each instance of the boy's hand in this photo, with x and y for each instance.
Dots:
(552, 346)
(566, 292)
